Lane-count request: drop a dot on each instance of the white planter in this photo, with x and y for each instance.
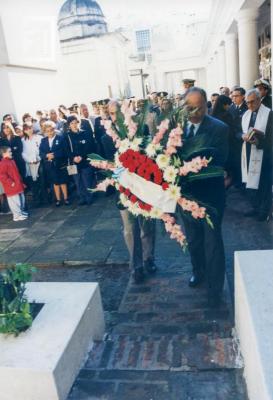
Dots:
(43, 362)
(253, 319)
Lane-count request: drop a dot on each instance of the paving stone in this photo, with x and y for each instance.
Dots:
(137, 391)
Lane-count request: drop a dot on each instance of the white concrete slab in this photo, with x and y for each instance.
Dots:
(42, 363)
(254, 319)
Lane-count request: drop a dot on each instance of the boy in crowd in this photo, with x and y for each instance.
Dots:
(12, 184)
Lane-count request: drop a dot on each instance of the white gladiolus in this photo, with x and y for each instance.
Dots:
(174, 192)
(134, 145)
(124, 145)
(170, 174)
(152, 148)
(163, 161)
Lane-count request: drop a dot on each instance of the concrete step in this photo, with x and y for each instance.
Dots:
(166, 352)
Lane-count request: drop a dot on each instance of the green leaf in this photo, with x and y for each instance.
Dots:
(96, 157)
(205, 173)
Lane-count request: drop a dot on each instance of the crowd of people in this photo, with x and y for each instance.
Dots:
(50, 149)
(47, 156)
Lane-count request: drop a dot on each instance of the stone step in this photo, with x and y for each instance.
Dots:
(163, 353)
(158, 385)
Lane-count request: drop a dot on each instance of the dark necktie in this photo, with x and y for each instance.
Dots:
(252, 119)
(191, 132)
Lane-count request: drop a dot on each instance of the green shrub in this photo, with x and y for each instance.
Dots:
(15, 312)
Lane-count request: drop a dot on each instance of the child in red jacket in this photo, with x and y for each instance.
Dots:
(13, 184)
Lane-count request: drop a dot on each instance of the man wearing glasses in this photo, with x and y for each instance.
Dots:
(206, 243)
(257, 155)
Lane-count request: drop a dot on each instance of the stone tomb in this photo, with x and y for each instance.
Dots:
(43, 362)
(254, 319)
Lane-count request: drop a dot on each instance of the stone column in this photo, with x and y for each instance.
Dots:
(248, 46)
(232, 60)
(222, 65)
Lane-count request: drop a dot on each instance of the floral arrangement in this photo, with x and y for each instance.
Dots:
(147, 170)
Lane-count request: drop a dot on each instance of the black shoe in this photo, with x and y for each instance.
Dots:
(214, 301)
(251, 213)
(150, 266)
(89, 202)
(196, 280)
(66, 203)
(139, 275)
(58, 204)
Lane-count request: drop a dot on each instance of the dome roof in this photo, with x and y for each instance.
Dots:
(80, 19)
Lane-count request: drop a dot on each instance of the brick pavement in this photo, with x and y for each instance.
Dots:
(162, 341)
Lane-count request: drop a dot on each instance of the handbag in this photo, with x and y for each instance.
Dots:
(72, 169)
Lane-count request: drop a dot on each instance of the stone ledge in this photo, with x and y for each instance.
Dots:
(253, 319)
(43, 362)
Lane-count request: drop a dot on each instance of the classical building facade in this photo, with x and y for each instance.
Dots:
(54, 52)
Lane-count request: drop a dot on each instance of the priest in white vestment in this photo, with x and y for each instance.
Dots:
(257, 155)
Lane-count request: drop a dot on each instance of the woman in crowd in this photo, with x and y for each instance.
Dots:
(221, 111)
(79, 145)
(11, 140)
(54, 158)
(31, 143)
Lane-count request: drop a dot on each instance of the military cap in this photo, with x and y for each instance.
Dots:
(103, 102)
(262, 82)
(162, 94)
(189, 81)
(74, 107)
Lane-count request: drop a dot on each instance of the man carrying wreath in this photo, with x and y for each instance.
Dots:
(205, 242)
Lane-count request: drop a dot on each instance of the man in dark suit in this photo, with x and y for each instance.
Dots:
(206, 243)
(237, 110)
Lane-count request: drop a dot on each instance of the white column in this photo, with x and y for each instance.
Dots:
(222, 65)
(232, 59)
(215, 73)
(248, 47)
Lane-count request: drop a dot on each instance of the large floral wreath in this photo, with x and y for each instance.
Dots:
(147, 171)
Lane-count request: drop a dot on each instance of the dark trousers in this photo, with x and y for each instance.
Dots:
(207, 251)
(139, 235)
(84, 182)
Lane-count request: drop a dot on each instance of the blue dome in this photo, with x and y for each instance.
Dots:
(79, 19)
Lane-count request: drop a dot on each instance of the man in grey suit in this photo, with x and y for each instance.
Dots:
(139, 233)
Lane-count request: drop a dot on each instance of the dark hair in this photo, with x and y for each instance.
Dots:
(11, 128)
(201, 91)
(6, 115)
(215, 94)
(26, 126)
(3, 150)
(218, 108)
(240, 89)
(26, 115)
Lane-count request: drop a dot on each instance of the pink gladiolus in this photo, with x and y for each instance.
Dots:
(196, 211)
(174, 229)
(102, 186)
(195, 165)
(162, 129)
(102, 165)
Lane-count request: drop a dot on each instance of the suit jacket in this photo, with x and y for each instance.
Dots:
(79, 144)
(267, 101)
(211, 140)
(238, 112)
(58, 148)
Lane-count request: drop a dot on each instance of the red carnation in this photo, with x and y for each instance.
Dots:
(165, 186)
(127, 192)
(133, 199)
